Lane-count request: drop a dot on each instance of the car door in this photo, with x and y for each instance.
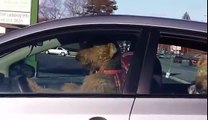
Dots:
(21, 104)
(169, 98)
(82, 108)
(58, 50)
(54, 51)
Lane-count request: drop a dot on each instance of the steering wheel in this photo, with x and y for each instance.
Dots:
(19, 72)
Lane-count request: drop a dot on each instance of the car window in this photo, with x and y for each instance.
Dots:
(184, 70)
(85, 66)
(59, 48)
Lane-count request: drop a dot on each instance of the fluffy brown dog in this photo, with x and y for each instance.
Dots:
(200, 86)
(104, 62)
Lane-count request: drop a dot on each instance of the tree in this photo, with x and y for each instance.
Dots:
(56, 9)
(51, 9)
(186, 16)
(75, 7)
(100, 7)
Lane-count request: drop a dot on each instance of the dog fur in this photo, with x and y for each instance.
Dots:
(97, 58)
(200, 86)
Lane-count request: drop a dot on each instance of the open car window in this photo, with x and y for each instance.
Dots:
(184, 70)
(79, 66)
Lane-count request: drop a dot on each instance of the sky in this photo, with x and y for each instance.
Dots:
(197, 9)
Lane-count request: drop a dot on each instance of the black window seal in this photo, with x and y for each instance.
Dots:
(148, 62)
(135, 68)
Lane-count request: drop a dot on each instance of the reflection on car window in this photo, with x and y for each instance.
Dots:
(183, 67)
(68, 68)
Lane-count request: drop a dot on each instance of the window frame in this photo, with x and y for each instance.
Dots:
(39, 37)
(189, 36)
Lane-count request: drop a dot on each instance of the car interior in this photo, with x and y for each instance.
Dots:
(175, 38)
(52, 70)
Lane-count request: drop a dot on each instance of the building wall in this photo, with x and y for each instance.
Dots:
(184, 50)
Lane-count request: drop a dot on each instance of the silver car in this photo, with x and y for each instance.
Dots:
(58, 51)
(146, 93)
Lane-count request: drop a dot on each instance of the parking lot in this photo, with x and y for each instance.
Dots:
(185, 72)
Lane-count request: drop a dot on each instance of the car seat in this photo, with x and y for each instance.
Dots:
(156, 83)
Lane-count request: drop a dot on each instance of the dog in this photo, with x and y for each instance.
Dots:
(104, 63)
(200, 85)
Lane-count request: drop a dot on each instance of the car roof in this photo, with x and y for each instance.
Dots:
(107, 20)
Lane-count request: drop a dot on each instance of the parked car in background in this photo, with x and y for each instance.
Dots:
(143, 92)
(161, 55)
(59, 51)
(193, 62)
(178, 59)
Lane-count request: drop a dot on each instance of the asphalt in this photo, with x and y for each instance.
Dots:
(184, 73)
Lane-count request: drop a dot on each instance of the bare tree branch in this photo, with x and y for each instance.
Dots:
(56, 9)
(51, 9)
(75, 7)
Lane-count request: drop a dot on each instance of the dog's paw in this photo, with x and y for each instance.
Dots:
(33, 86)
(70, 87)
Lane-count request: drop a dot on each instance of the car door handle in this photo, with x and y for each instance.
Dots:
(97, 118)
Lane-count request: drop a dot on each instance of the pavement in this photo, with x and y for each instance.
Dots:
(184, 73)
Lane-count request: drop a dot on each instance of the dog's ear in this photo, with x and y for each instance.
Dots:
(112, 48)
(202, 60)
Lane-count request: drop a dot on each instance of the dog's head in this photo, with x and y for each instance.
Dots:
(201, 77)
(97, 56)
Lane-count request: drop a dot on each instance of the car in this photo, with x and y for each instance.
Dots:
(193, 62)
(161, 55)
(178, 59)
(59, 51)
(144, 92)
